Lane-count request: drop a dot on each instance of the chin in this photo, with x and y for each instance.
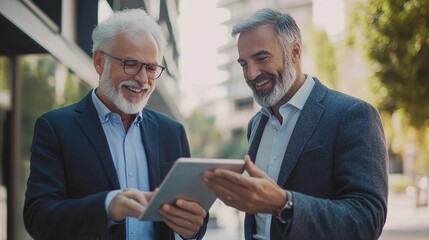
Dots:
(128, 107)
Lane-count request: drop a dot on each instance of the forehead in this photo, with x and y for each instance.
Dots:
(258, 39)
(141, 46)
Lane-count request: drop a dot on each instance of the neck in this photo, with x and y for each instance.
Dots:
(126, 118)
(293, 89)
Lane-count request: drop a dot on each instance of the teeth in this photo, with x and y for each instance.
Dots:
(136, 90)
(261, 83)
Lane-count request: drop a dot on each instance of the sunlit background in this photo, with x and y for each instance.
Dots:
(45, 63)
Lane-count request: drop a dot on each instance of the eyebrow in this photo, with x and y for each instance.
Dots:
(257, 54)
(134, 59)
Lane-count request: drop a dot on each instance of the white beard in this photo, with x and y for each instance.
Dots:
(116, 97)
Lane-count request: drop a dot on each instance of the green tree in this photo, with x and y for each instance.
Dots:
(204, 136)
(3, 73)
(395, 35)
(74, 89)
(236, 147)
(206, 140)
(324, 55)
(38, 93)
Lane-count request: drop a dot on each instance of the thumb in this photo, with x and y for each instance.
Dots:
(150, 195)
(252, 169)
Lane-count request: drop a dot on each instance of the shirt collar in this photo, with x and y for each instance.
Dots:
(104, 113)
(298, 99)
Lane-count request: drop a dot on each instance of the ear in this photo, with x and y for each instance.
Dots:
(296, 53)
(98, 62)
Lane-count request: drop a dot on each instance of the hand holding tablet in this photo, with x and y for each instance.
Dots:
(184, 181)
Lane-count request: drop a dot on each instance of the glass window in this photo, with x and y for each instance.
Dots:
(4, 108)
(45, 84)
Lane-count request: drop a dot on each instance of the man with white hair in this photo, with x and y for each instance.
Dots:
(96, 163)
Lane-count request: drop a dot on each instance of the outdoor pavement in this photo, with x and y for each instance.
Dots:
(404, 221)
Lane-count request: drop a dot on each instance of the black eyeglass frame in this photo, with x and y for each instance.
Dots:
(142, 64)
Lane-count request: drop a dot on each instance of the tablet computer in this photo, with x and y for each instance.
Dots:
(184, 181)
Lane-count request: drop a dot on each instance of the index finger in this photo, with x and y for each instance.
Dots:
(230, 176)
(137, 196)
(226, 181)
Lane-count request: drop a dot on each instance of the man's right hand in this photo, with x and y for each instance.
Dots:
(128, 202)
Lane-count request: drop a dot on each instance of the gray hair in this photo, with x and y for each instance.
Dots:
(128, 21)
(287, 31)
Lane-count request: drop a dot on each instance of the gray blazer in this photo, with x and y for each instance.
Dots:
(336, 168)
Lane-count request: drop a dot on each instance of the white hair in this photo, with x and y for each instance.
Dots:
(130, 22)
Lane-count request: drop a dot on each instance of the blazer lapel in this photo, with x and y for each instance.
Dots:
(91, 126)
(256, 135)
(149, 132)
(304, 128)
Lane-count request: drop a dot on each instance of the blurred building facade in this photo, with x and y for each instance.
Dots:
(45, 62)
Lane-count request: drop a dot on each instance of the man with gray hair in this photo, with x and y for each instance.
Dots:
(96, 163)
(317, 159)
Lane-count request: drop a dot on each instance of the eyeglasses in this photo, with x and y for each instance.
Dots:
(133, 67)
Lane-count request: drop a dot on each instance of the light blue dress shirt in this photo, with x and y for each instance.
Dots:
(130, 161)
(274, 142)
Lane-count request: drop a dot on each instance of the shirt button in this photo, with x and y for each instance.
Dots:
(130, 174)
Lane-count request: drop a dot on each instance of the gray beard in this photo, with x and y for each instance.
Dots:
(287, 77)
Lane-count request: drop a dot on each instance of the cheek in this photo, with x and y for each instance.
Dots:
(115, 83)
(245, 74)
(116, 78)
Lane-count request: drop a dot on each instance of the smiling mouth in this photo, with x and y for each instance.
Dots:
(261, 83)
(136, 90)
(264, 85)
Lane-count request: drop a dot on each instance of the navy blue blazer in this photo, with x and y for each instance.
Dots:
(72, 171)
(336, 168)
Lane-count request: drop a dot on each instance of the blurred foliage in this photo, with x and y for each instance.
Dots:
(399, 183)
(3, 73)
(37, 94)
(395, 37)
(206, 139)
(38, 83)
(74, 89)
(204, 136)
(324, 55)
(236, 147)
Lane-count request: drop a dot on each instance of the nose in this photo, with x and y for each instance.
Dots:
(251, 71)
(142, 76)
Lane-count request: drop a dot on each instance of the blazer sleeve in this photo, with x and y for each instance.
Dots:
(359, 206)
(48, 213)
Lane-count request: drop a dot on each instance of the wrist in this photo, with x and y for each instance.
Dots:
(285, 209)
(279, 204)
